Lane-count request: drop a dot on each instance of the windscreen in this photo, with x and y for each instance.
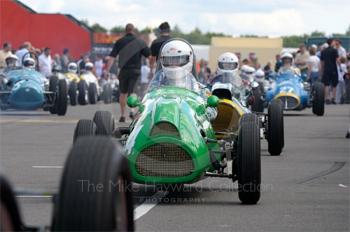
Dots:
(186, 81)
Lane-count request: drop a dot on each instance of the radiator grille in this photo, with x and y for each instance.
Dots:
(289, 102)
(164, 160)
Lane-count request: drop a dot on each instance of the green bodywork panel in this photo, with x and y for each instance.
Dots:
(186, 111)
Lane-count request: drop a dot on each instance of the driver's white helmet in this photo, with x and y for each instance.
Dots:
(11, 60)
(176, 59)
(246, 69)
(227, 62)
(29, 62)
(287, 56)
(72, 67)
(259, 75)
(89, 66)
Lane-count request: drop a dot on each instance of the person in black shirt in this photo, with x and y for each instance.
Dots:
(164, 31)
(130, 50)
(329, 70)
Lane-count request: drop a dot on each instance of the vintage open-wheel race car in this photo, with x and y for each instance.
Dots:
(233, 105)
(172, 141)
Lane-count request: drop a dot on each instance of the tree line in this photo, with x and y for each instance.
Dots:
(196, 36)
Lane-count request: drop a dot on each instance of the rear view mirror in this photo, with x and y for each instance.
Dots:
(133, 101)
(212, 101)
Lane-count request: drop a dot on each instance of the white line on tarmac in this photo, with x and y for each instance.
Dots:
(148, 204)
(47, 166)
(34, 196)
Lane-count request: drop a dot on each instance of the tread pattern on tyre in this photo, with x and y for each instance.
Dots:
(249, 163)
(92, 93)
(275, 136)
(73, 93)
(318, 99)
(104, 123)
(96, 161)
(62, 98)
(84, 127)
(53, 82)
(107, 93)
(82, 89)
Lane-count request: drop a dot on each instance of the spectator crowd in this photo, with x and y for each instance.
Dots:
(134, 63)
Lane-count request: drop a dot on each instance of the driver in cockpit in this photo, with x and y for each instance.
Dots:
(176, 60)
(287, 64)
(11, 61)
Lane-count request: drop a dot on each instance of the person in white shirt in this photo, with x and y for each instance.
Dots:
(45, 62)
(4, 53)
(145, 75)
(98, 66)
(314, 65)
(24, 49)
(339, 47)
(339, 97)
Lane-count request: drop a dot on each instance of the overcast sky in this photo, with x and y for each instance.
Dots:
(234, 17)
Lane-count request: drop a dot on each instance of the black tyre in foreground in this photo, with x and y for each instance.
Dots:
(95, 190)
(92, 93)
(275, 133)
(248, 160)
(72, 92)
(84, 127)
(104, 123)
(318, 99)
(82, 89)
(10, 218)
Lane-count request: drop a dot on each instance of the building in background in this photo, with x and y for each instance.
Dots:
(19, 23)
(264, 48)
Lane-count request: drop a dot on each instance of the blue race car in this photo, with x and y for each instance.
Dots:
(24, 88)
(296, 94)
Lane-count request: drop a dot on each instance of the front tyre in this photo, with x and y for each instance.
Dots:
(318, 99)
(84, 127)
(82, 89)
(248, 160)
(72, 92)
(61, 98)
(92, 93)
(104, 121)
(275, 132)
(95, 190)
(53, 82)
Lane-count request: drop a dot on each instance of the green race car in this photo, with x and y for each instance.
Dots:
(172, 140)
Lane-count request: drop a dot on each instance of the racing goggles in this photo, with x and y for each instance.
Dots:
(227, 65)
(175, 61)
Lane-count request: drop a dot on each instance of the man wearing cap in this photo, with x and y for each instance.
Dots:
(4, 53)
(164, 35)
(130, 50)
